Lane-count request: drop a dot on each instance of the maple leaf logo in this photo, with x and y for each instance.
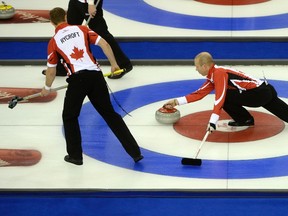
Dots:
(77, 54)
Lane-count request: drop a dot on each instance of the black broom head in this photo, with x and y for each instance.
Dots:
(13, 102)
(191, 162)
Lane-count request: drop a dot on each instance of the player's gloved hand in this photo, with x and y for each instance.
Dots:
(211, 127)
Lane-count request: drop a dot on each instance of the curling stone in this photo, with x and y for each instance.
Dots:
(6, 11)
(167, 116)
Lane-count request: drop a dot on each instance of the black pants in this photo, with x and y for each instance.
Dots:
(93, 85)
(78, 11)
(264, 96)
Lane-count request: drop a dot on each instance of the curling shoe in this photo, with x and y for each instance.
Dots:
(137, 159)
(68, 159)
(249, 122)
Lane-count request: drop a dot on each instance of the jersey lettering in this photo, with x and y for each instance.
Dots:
(69, 36)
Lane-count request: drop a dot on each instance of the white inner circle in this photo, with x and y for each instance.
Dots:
(222, 125)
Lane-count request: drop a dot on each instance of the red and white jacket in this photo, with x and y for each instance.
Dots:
(220, 79)
(72, 43)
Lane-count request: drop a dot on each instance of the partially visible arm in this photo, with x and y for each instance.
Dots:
(50, 76)
(91, 8)
(204, 90)
(221, 85)
(109, 54)
(200, 93)
(52, 60)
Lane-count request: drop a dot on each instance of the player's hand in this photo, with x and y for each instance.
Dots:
(114, 68)
(211, 127)
(45, 92)
(171, 104)
(92, 10)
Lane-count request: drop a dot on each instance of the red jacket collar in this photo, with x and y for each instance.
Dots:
(60, 26)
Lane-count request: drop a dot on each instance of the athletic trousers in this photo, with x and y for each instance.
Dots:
(78, 11)
(93, 85)
(263, 96)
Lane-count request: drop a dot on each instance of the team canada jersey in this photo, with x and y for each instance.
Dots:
(220, 79)
(70, 43)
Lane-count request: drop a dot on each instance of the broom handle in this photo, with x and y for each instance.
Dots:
(97, 3)
(203, 141)
(88, 20)
(39, 94)
(114, 73)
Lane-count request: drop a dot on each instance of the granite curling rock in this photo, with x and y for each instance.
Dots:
(167, 116)
(6, 11)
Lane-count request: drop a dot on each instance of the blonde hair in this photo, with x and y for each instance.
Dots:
(204, 58)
